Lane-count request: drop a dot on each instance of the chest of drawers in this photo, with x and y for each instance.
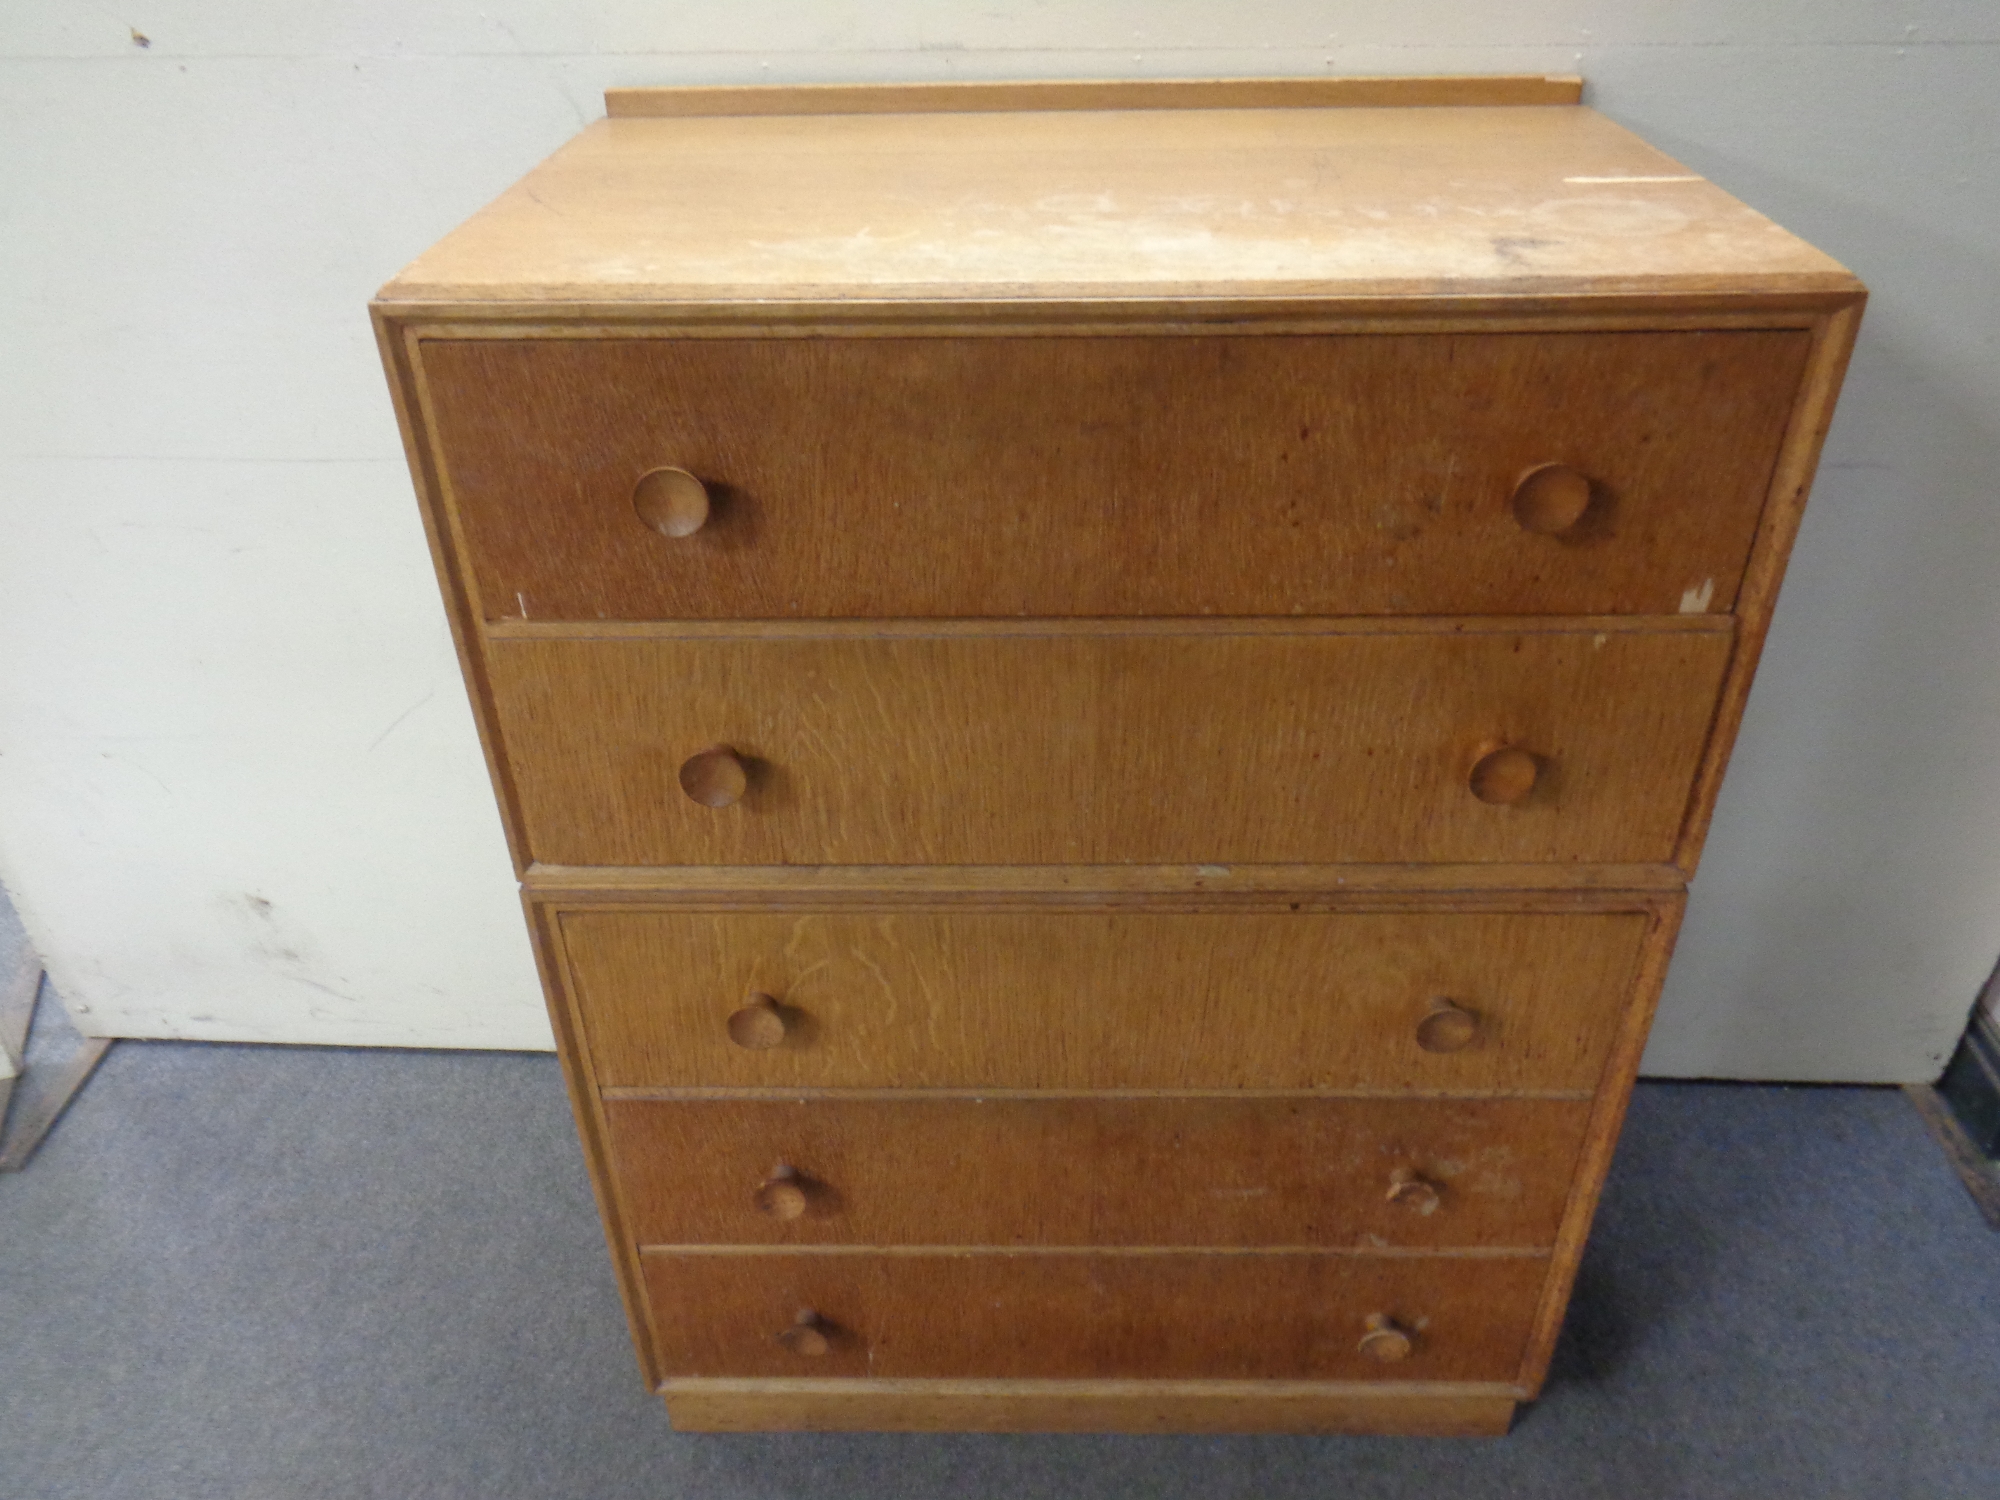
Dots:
(1103, 696)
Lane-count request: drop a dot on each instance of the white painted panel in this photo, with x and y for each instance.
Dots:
(188, 268)
(224, 675)
(1848, 905)
(241, 794)
(950, 34)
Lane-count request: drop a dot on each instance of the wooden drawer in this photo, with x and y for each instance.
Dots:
(1253, 1316)
(1105, 748)
(1258, 475)
(1056, 1000)
(1361, 1173)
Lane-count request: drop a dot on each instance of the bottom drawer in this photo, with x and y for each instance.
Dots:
(1091, 1314)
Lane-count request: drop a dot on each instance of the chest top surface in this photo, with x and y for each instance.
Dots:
(1479, 201)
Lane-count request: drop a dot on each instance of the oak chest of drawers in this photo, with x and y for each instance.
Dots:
(1104, 696)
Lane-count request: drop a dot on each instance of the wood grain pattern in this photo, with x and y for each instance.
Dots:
(447, 551)
(1068, 627)
(1107, 749)
(1614, 1093)
(1160, 887)
(1691, 311)
(1092, 1171)
(1091, 1316)
(1259, 475)
(1181, 205)
(579, 1081)
(856, 1405)
(1483, 89)
(1833, 344)
(1092, 923)
(1127, 1001)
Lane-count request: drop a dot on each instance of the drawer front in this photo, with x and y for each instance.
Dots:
(1080, 1316)
(1360, 1173)
(1259, 475)
(1102, 1001)
(1107, 748)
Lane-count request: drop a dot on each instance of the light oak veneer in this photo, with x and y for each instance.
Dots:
(1249, 475)
(1104, 694)
(1107, 203)
(1101, 749)
(1279, 1315)
(1356, 1174)
(1090, 1001)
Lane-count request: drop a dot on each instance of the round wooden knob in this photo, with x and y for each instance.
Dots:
(1384, 1340)
(1449, 1027)
(671, 501)
(716, 777)
(807, 1335)
(1551, 498)
(1504, 777)
(760, 1025)
(1408, 1190)
(782, 1195)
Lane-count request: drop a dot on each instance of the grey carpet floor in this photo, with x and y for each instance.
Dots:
(273, 1272)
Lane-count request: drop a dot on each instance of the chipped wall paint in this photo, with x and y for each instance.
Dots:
(240, 794)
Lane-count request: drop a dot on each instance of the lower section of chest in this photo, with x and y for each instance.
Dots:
(1311, 1162)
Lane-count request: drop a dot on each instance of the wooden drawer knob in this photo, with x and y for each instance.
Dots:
(1384, 1340)
(1503, 777)
(1550, 499)
(716, 777)
(807, 1335)
(1408, 1190)
(760, 1025)
(782, 1195)
(671, 501)
(1449, 1027)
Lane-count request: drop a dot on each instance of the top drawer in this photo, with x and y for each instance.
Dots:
(1095, 476)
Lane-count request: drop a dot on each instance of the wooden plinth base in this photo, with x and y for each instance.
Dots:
(1085, 1406)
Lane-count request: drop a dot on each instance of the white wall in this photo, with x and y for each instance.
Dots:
(239, 791)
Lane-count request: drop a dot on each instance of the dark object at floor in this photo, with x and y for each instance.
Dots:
(1979, 1175)
(1971, 1084)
